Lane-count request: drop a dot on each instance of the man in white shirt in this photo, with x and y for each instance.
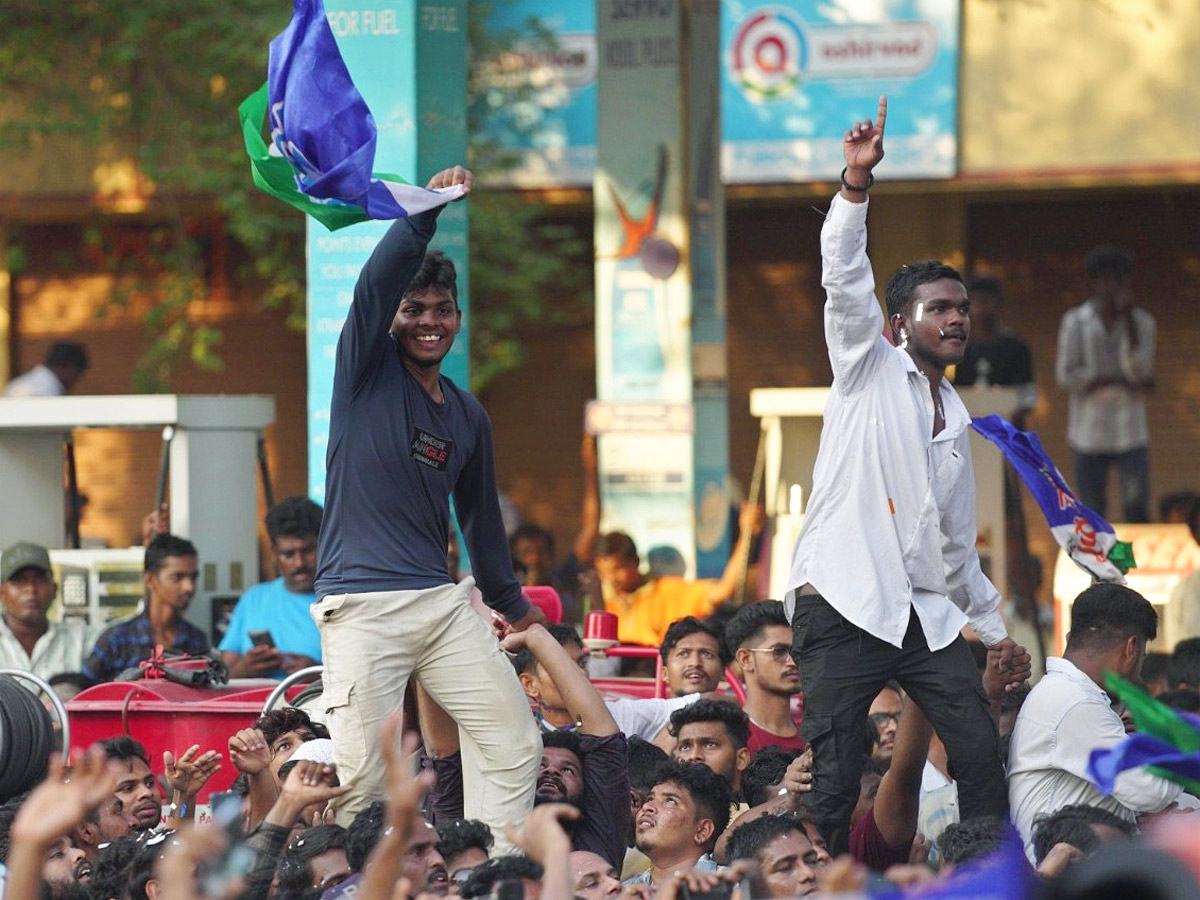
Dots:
(65, 363)
(1106, 360)
(1069, 714)
(28, 639)
(885, 573)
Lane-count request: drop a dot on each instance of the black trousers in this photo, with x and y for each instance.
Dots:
(842, 668)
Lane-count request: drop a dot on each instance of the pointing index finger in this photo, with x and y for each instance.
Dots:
(881, 115)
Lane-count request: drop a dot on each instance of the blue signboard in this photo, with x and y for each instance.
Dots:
(793, 74)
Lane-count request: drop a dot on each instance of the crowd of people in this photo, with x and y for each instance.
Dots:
(872, 731)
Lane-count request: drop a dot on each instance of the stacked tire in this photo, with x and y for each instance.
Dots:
(26, 738)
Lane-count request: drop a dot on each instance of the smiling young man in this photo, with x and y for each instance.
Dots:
(885, 573)
(280, 607)
(170, 576)
(403, 440)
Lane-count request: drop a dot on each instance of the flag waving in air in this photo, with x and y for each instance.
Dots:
(1167, 741)
(1088, 539)
(321, 153)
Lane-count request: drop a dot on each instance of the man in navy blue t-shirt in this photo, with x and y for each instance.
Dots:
(403, 440)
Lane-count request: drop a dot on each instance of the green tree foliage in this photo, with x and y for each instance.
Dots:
(159, 82)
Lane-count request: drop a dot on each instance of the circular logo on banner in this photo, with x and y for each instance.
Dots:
(767, 54)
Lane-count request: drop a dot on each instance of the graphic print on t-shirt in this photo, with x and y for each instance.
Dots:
(430, 450)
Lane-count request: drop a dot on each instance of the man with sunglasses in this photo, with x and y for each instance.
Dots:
(761, 640)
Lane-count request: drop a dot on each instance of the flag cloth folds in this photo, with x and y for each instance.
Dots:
(321, 154)
(1004, 874)
(1168, 741)
(1088, 539)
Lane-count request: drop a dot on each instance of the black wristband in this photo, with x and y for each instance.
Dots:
(854, 187)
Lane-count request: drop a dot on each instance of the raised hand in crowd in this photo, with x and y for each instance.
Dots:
(305, 794)
(185, 776)
(188, 852)
(154, 523)
(405, 788)
(251, 754)
(546, 843)
(64, 799)
(695, 883)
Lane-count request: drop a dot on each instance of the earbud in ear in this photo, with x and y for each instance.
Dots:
(903, 338)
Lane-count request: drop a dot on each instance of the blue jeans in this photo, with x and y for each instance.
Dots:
(1133, 472)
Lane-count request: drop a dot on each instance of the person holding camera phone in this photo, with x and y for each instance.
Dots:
(885, 573)
(272, 633)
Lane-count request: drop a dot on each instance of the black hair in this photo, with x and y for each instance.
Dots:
(1183, 669)
(141, 867)
(1182, 502)
(708, 790)
(111, 870)
(363, 834)
(1108, 260)
(1106, 614)
(8, 812)
(971, 839)
(75, 679)
(294, 872)
(618, 544)
(296, 517)
(461, 835)
(123, 747)
(528, 531)
(766, 769)
(437, 271)
(563, 740)
(687, 626)
(732, 716)
(645, 759)
(565, 634)
(747, 841)
(1157, 665)
(1183, 699)
(751, 621)
(988, 284)
(503, 868)
(908, 278)
(1072, 825)
(165, 546)
(280, 721)
(1013, 700)
(66, 353)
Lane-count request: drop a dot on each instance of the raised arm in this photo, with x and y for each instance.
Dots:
(589, 526)
(899, 795)
(750, 520)
(582, 699)
(383, 281)
(853, 320)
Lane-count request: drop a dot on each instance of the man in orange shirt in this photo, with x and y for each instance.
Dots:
(645, 607)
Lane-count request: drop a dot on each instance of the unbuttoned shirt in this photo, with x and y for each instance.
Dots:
(1109, 419)
(1064, 718)
(63, 648)
(890, 525)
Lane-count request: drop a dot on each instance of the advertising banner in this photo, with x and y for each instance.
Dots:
(792, 73)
